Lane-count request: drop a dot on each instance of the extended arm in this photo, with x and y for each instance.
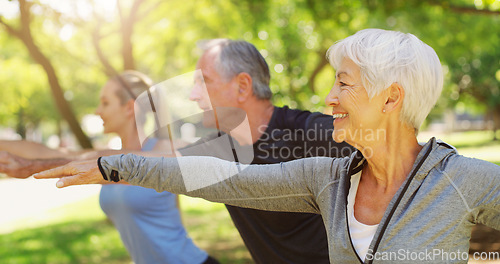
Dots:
(21, 158)
(31, 150)
(18, 167)
(287, 186)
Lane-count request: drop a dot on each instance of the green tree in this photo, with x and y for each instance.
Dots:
(159, 38)
(24, 34)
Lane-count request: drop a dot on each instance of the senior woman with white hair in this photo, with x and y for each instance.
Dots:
(394, 200)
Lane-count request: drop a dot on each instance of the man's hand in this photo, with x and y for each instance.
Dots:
(74, 173)
(15, 166)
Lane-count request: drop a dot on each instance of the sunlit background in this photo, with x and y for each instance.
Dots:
(81, 43)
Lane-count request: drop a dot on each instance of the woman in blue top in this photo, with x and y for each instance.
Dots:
(149, 222)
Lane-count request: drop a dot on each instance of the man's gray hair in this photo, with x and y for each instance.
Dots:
(237, 56)
(387, 57)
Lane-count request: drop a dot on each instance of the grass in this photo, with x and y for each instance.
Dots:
(210, 226)
(470, 139)
(80, 233)
(76, 233)
(475, 144)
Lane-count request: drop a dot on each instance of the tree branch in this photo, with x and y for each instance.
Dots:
(126, 34)
(321, 64)
(472, 10)
(127, 31)
(10, 29)
(109, 70)
(148, 10)
(464, 9)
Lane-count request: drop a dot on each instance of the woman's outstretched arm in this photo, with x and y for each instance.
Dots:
(290, 186)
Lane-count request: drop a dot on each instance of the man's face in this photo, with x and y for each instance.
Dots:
(218, 93)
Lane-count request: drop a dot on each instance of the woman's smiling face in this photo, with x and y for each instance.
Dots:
(356, 116)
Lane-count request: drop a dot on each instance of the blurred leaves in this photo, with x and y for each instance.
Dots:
(293, 35)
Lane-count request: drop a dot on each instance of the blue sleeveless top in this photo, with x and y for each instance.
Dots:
(149, 223)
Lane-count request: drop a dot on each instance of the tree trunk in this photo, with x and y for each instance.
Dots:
(321, 64)
(61, 103)
(495, 114)
(59, 133)
(21, 126)
(127, 29)
(24, 34)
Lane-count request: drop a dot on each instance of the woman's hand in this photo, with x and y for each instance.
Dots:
(74, 173)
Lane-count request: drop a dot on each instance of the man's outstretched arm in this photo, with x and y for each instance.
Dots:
(19, 167)
(21, 158)
(32, 150)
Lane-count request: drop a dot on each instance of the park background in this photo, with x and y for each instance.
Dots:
(55, 56)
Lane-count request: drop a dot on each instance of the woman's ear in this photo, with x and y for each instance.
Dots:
(395, 97)
(129, 108)
(244, 86)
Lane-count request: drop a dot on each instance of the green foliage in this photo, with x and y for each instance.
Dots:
(28, 101)
(468, 46)
(292, 34)
(23, 98)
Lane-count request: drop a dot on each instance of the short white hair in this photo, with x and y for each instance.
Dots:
(386, 57)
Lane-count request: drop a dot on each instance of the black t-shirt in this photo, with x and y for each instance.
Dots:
(282, 237)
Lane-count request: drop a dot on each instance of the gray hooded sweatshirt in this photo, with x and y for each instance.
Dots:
(429, 219)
